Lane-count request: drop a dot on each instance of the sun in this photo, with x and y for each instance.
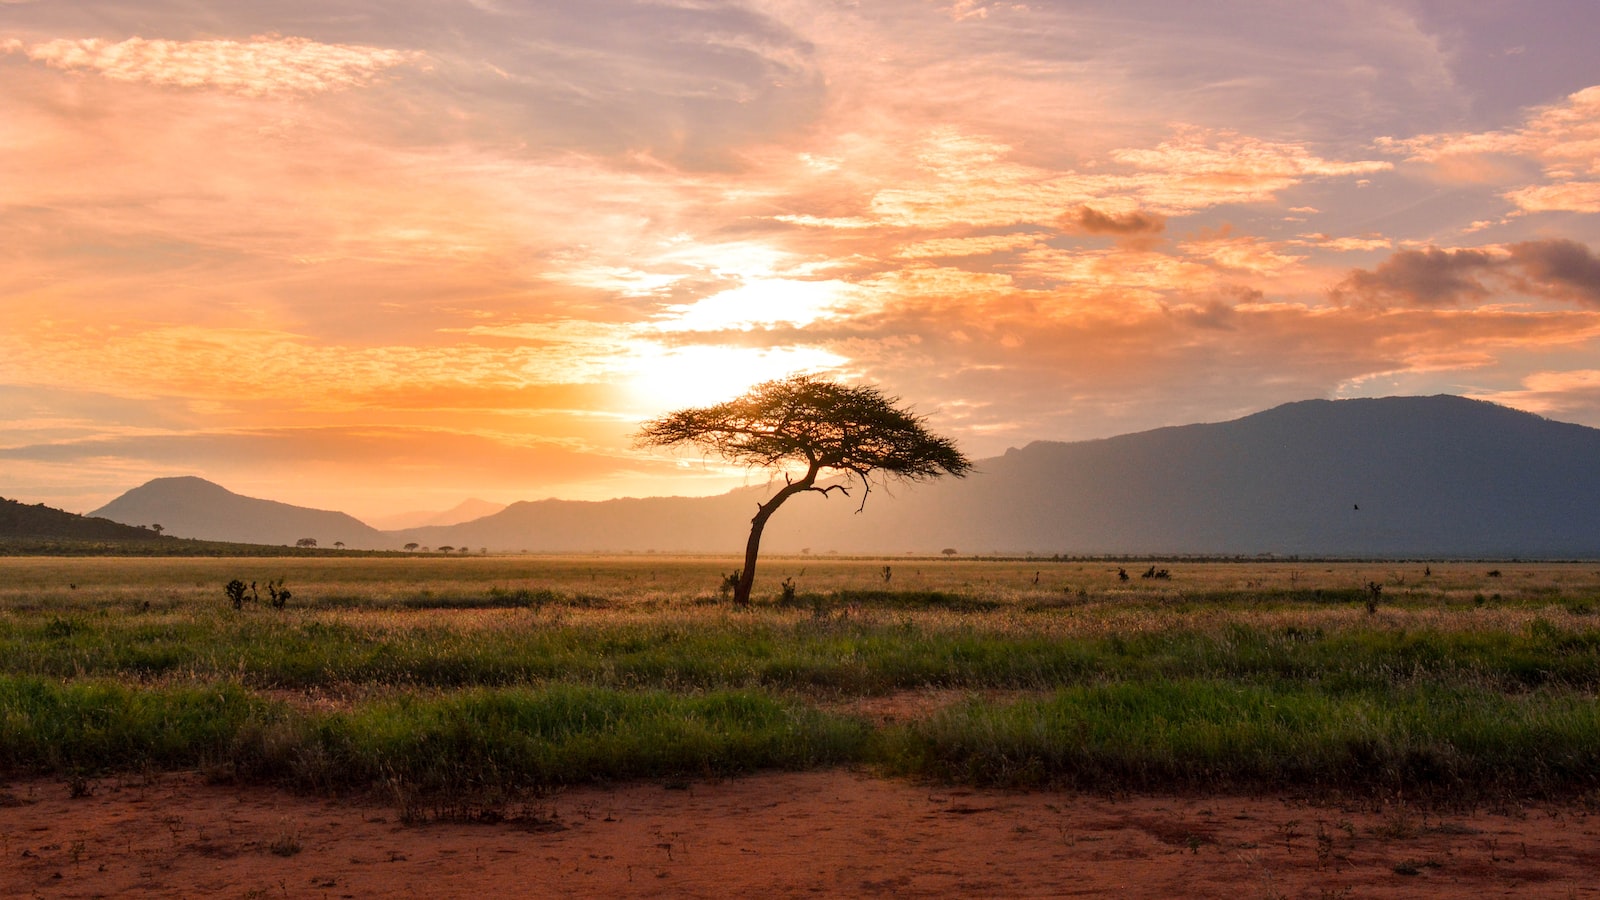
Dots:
(666, 378)
(680, 358)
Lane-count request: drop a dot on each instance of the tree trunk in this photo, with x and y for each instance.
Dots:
(752, 547)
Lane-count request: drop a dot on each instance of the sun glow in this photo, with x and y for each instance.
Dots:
(758, 302)
(666, 378)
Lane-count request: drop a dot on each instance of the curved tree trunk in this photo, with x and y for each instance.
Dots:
(752, 547)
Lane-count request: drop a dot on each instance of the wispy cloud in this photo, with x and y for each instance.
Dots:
(1559, 138)
(257, 67)
(1558, 394)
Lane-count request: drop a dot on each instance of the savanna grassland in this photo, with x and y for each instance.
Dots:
(1451, 682)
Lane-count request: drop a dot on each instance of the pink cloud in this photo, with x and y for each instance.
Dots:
(1561, 138)
(257, 67)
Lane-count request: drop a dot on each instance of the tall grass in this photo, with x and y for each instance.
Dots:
(478, 738)
(444, 675)
(96, 725)
(1425, 741)
(1428, 742)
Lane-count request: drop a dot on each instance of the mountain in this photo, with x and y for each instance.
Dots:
(669, 524)
(21, 522)
(465, 511)
(194, 507)
(1399, 476)
(1394, 477)
(1402, 476)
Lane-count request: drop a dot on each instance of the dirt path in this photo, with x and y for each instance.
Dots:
(771, 836)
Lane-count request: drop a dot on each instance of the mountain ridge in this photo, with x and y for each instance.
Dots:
(37, 522)
(465, 511)
(1440, 476)
(190, 506)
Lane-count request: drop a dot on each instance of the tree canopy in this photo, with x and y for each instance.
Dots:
(821, 425)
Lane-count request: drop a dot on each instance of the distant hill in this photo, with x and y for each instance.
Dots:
(668, 524)
(1394, 477)
(20, 522)
(1400, 476)
(40, 530)
(1403, 476)
(196, 508)
(465, 511)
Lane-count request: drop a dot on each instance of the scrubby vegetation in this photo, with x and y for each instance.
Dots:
(497, 673)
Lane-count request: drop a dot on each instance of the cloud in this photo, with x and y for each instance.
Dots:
(1244, 253)
(1565, 270)
(1342, 244)
(261, 66)
(966, 180)
(1199, 168)
(1569, 395)
(283, 371)
(1558, 134)
(1080, 363)
(1560, 137)
(1576, 196)
(1088, 220)
(1556, 269)
(1141, 275)
(365, 445)
(1429, 277)
(961, 10)
(968, 246)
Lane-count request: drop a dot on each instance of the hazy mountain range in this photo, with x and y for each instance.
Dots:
(1400, 476)
(465, 511)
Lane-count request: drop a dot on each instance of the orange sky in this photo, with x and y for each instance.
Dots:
(385, 262)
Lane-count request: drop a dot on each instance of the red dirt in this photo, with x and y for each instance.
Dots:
(833, 833)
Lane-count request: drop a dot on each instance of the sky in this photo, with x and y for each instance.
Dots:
(382, 257)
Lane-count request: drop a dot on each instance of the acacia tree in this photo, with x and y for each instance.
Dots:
(825, 427)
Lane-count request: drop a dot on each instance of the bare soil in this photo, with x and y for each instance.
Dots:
(834, 833)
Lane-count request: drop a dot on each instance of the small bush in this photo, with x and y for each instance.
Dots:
(235, 590)
(278, 594)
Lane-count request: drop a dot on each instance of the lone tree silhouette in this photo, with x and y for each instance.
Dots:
(810, 422)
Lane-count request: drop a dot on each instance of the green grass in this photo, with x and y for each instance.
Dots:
(464, 674)
(1424, 741)
(464, 740)
(715, 649)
